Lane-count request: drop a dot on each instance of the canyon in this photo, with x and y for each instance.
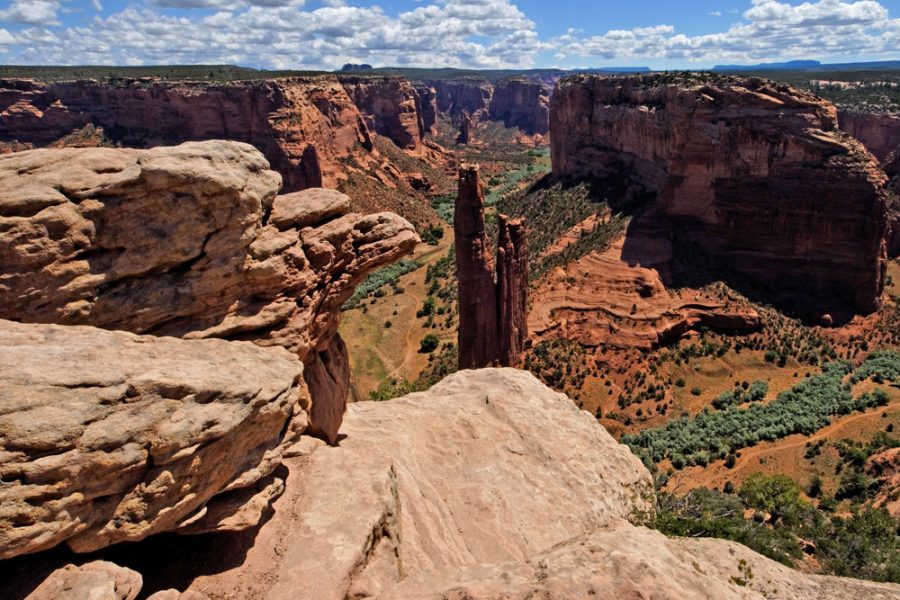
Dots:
(762, 178)
(515, 101)
(175, 378)
(879, 132)
(308, 128)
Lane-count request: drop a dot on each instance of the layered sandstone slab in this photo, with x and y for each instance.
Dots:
(106, 436)
(487, 466)
(304, 126)
(755, 172)
(487, 486)
(189, 241)
(622, 561)
(97, 580)
(619, 297)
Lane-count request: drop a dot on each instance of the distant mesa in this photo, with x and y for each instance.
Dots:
(356, 67)
(791, 64)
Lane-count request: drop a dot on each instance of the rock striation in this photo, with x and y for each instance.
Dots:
(624, 297)
(390, 106)
(492, 304)
(523, 104)
(191, 241)
(107, 436)
(305, 126)
(879, 132)
(755, 172)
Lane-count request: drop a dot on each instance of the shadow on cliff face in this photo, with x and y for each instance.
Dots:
(685, 263)
(669, 245)
(164, 561)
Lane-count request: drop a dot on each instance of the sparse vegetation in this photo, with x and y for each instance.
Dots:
(386, 276)
(805, 408)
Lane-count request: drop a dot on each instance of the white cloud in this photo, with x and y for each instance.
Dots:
(770, 30)
(460, 33)
(32, 12)
(282, 34)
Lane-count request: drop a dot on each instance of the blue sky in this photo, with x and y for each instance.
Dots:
(313, 34)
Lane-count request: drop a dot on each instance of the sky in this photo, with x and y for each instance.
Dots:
(325, 34)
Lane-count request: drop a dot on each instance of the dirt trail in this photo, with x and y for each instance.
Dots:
(754, 459)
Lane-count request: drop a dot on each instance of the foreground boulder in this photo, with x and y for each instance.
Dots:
(756, 173)
(488, 486)
(108, 436)
(97, 580)
(191, 241)
(622, 561)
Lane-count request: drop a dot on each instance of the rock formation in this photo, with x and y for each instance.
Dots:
(879, 132)
(304, 126)
(189, 241)
(492, 306)
(428, 110)
(466, 130)
(458, 96)
(517, 102)
(523, 104)
(97, 580)
(512, 287)
(623, 296)
(755, 172)
(390, 106)
(106, 436)
(487, 486)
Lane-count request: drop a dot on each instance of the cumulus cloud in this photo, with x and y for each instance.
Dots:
(32, 12)
(284, 34)
(769, 30)
(323, 34)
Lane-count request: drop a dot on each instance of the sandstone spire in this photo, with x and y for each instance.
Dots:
(492, 307)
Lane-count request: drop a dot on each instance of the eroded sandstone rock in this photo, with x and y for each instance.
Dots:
(390, 106)
(189, 241)
(492, 302)
(97, 580)
(106, 436)
(623, 561)
(755, 172)
(487, 466)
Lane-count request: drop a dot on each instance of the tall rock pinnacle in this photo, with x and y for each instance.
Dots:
(492, 306)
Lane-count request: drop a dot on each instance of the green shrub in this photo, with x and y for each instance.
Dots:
(429, 343)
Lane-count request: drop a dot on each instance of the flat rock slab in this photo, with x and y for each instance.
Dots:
(109, 436)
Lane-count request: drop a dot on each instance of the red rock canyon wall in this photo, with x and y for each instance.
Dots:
(755, 172)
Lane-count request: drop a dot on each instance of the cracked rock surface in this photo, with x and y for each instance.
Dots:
(107, 436)
(189, 241)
